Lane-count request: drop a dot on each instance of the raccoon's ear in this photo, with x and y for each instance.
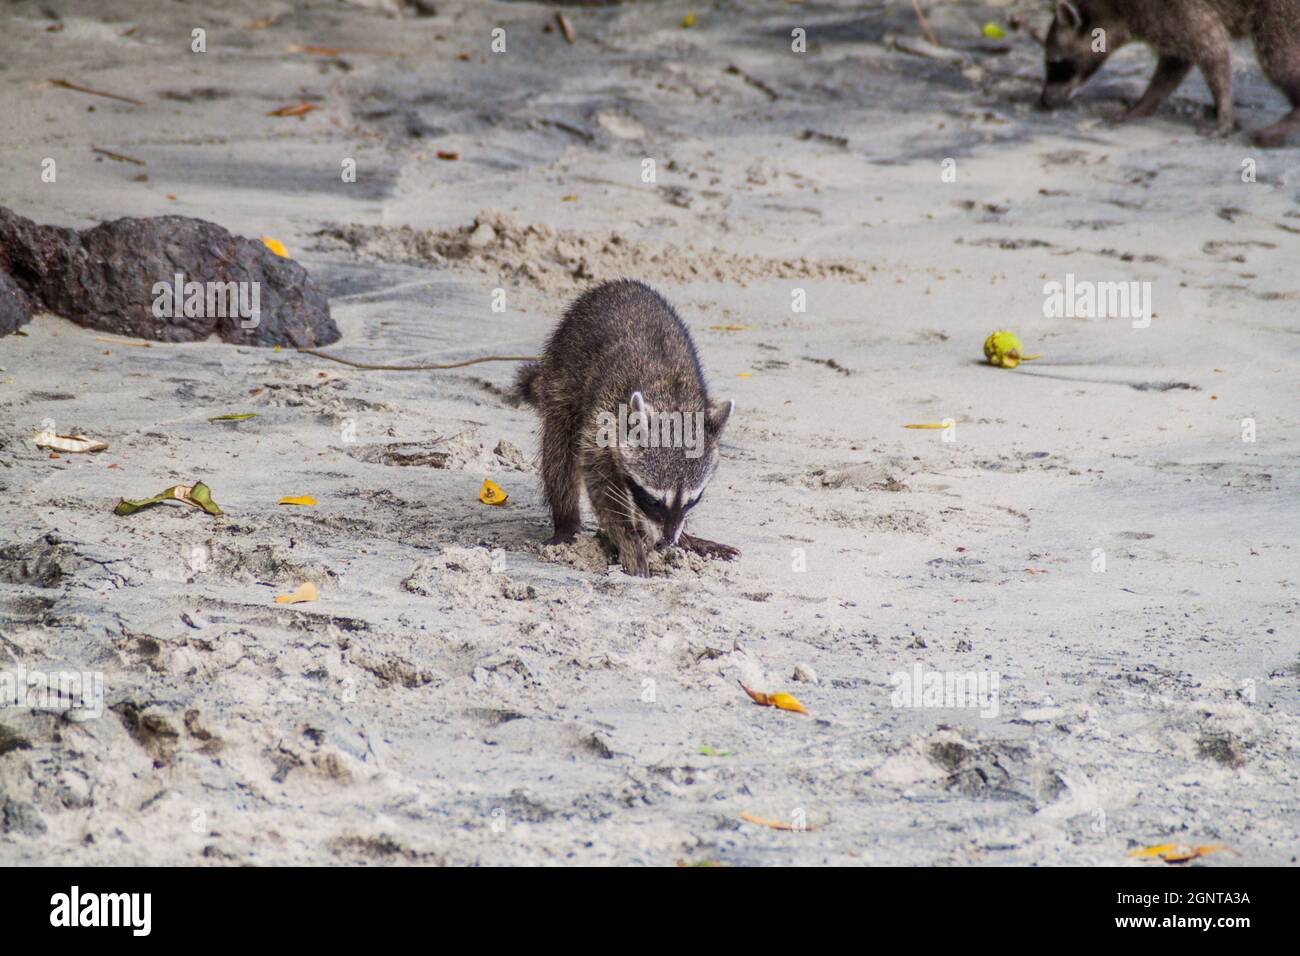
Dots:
(719, 415)
(640, 407)
(1068, 15)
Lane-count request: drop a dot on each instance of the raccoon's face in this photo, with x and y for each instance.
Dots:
(1075, 50)
(666, 474)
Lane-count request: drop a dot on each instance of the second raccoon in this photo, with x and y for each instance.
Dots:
(1183, 33)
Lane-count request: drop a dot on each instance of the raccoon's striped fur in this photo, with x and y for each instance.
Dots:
(621, 349)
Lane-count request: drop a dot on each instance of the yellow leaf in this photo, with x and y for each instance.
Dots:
(993, 31)
(299, 500)
(1177, 852)
(785, 702)
(569, 199)
(305, 592)
(276, 246)
(930, 425)
(491, 494)
(782, 700)
(688, 21)
(744, 375)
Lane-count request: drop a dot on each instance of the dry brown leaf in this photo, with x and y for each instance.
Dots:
(69, 443)
(339, 50)
(775, 824)
(297, 109)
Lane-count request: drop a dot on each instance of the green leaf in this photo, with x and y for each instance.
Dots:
(200, 496)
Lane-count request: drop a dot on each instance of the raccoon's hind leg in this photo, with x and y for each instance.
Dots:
(706, 548)
(561, 479)
(1170, 72)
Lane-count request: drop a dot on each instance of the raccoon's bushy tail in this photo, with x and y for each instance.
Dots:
(528, 383)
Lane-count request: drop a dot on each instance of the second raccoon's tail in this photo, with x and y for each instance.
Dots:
(528, 383)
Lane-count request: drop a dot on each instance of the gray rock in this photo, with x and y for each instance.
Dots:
(21, 818)
(15, 306)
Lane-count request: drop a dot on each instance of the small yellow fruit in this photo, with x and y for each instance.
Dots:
(993, 32)
(1003, 349)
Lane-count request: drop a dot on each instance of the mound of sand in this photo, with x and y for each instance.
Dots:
(552, 259)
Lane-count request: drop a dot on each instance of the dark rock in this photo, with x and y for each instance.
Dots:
(15, 306)
(22, 818)
(120, 277)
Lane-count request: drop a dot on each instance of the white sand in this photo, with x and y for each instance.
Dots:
(460, 694)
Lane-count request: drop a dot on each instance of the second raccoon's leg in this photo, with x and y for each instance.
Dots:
(706, 548)
(1170, 72)
(1214, 58)
(560, 476)
(1278, 48)
(1283, 131)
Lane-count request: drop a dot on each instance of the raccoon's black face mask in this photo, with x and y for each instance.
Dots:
(1075, 50)
(666, 480)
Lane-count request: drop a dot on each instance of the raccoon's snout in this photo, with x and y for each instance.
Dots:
(1053, 98)
(670, 535)
(1061, 83)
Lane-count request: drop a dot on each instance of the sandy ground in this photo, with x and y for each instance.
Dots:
(459, 694)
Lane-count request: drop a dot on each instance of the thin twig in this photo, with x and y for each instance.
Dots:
(1017, 22)
(85, 89)
(925, 24)
(117, 156)
(420, 368)
(566, 27)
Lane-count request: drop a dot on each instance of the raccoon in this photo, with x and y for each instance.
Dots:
(618, 374)
(1183, 33)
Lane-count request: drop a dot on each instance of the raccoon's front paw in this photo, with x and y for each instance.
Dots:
(1222, 127)
(708, 549)
(635, 561)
